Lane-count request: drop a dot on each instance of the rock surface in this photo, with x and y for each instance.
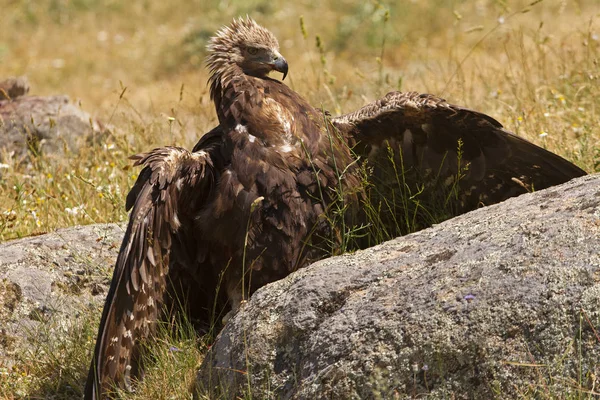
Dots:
(496, 303)
(12, 88)
(53, 276)
(34, 124)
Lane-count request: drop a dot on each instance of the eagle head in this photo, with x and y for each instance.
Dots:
(249, 46)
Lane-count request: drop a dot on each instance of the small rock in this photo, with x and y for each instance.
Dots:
(31, 125)
(12, 88)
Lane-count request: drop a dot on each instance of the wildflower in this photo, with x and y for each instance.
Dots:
(75, 210)
(37, 221)
(560, 98)
(543, 134)
(469, 297)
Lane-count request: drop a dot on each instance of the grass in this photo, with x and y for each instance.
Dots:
(55, 363)
(172, 360)
(138, 67)
(536, 72)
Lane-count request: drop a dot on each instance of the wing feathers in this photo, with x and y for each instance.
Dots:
(170, 176)
(433, 136)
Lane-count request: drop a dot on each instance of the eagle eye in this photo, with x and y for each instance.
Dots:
(252, 51)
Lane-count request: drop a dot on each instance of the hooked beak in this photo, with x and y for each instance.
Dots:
(280, 65)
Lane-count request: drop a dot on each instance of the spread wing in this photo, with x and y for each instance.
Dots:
(173, 185)
(438, 144)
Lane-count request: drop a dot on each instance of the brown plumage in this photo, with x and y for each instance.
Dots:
(247, 205)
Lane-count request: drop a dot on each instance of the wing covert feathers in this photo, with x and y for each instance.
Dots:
(436, 139)
(172, 182)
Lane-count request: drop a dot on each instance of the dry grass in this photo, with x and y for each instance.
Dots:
(137, 64)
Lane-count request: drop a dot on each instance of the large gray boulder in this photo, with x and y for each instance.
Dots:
(498, 303)
(42, 124)
(53, 277)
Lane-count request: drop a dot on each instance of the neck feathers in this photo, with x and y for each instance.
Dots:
(222, 70)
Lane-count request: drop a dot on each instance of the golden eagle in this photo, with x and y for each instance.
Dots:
(248, 205)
